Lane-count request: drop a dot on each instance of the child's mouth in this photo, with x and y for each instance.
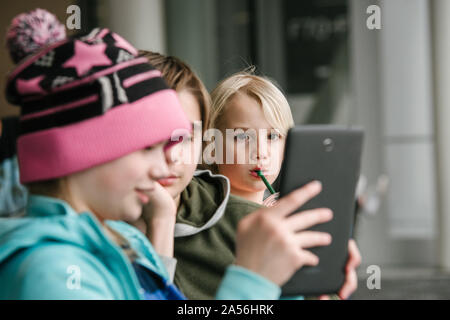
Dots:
(165, 182)
(254, 172)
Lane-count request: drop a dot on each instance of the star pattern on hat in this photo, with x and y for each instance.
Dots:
(87, 56)
(122, 43)
(30, 86)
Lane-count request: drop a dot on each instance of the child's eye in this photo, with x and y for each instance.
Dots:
(242, 137)
(274, 136)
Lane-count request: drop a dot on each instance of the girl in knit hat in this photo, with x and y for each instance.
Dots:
(96, 124)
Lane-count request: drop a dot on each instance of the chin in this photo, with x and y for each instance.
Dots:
(131, 214)
(259, 189)
(253, 187)
(134, 216)
(174, 190)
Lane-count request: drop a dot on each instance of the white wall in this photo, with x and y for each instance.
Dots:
(407, 111)
(391, 70)
(441, 45)
(141, 22)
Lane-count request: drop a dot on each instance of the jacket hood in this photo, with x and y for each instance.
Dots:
(202, 203)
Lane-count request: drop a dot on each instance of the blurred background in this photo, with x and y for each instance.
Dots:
(333, 68)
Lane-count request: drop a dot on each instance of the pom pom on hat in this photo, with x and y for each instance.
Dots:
(29, 32)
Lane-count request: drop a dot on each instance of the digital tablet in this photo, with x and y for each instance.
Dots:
(332, 155)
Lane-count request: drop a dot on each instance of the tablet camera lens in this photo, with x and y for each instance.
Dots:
(328, 143)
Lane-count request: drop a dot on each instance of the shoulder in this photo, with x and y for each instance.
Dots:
(237, 208)
(242, 205)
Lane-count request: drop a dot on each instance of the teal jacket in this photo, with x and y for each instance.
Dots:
(54, 252)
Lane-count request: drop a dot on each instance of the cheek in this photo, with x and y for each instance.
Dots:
(240, 151)
(234, 172)
(187, 174)
(122, 178)
(276, 158)
(112, 185)
(186, 152)
(191, 153)
(197, 150)
(281, 146)
(119, 199)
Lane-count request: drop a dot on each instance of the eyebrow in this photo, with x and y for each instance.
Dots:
(245, 128)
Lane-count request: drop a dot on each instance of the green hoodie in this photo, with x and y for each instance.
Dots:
(205, 233)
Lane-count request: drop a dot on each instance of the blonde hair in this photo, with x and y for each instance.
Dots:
(272, 101)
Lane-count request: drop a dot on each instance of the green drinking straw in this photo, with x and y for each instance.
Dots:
(259, 173)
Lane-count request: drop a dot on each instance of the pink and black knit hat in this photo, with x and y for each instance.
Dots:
(84, 101)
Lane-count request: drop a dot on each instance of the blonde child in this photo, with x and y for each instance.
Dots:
(207, 214)
(260, 117)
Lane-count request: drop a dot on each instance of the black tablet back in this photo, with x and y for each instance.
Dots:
(331, 155)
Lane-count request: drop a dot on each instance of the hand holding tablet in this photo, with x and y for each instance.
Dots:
(331, 155)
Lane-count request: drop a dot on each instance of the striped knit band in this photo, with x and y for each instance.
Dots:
(88, 101)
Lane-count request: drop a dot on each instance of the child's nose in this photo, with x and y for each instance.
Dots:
(263, 155)
(160, 168)
(174, 154)
(261, 152)
(159, 172)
